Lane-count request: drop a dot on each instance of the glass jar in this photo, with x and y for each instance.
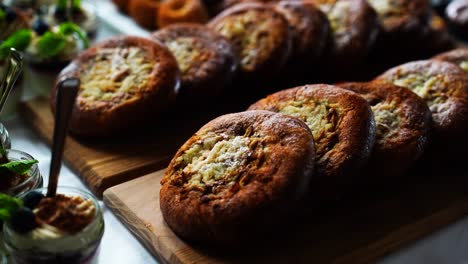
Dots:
(5, 137)
(81, 247)
(34, 180)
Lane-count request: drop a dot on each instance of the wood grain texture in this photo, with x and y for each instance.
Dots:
(358, 230)
(106, 162)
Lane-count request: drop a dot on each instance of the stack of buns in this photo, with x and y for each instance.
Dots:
(251, 44)
(318, 141)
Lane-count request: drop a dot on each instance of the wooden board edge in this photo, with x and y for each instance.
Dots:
(410, 232)
(138, 228)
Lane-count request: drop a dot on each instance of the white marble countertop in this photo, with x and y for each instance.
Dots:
(449, 245)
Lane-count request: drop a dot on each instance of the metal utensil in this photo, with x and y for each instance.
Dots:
(66, 94)
(13, 71)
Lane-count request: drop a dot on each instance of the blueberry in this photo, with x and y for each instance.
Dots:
(10, 14)
(40, 26)
(23, 220)
(32, 199)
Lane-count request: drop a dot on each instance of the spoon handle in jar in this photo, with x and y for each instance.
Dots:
(66, 95)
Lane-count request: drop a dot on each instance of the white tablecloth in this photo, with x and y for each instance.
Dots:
(449, 245)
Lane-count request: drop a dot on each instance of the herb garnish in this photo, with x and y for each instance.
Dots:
(8, 205)
(50, 44)
(18, 167)
(63, 4)
(18, 40)
(2, 15)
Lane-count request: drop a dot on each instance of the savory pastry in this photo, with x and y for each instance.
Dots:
(403, 123)
(401, 16)
(341, 123)
(403, 25)
(144, 12)
(217, 6)
(457, 15)
(125, 82)
(444, 87)
(354, 27)
(458, 56)
(259, 33)
(309, 28)
(206, 60)
(236, 175)
(437, 37)
(177, 11)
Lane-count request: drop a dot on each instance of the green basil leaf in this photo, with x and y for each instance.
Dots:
(51, 44)
(76, 4)
(2, 15)
(19, 40)
(20, 167)
(62, 4)
(2, 151)
(8, 205)
(69, 28)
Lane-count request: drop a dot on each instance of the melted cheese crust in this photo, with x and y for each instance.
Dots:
(115, 73)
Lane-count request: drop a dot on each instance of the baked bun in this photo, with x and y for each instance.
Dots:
(403, 123)
(260, 35)
(125, 82)
(458, 56)
(402, 16)
(206, 60)
(437, 38)
(341, 123)
(144, 12)
(354, 27)
(444, 87)
(236, 175)
(309, 28)
(404, 23)
(177, 11)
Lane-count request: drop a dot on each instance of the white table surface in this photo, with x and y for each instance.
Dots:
(449, 245)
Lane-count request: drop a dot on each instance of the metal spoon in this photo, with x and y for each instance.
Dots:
(66, 95)
(13, 71)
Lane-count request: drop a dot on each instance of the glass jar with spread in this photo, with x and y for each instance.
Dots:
(16, 184)
(66, 228)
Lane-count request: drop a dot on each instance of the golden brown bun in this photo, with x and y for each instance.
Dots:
(437, 38)
(260, 35)
(354, 27)
(403, 123)
(126, 82)
(177, 11)
(444, 87)
(403, 16)
(236, 174)
(404, 24)
(458, 56)
(309, 28)
(144, 12)
(341, 122)
(206, 59)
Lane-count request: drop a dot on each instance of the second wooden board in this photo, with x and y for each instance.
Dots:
(354, 231)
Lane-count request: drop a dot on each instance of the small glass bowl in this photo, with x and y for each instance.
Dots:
(81, 247)
(34, 180)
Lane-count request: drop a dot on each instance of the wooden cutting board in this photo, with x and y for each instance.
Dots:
(103, 163)
(358, 230)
